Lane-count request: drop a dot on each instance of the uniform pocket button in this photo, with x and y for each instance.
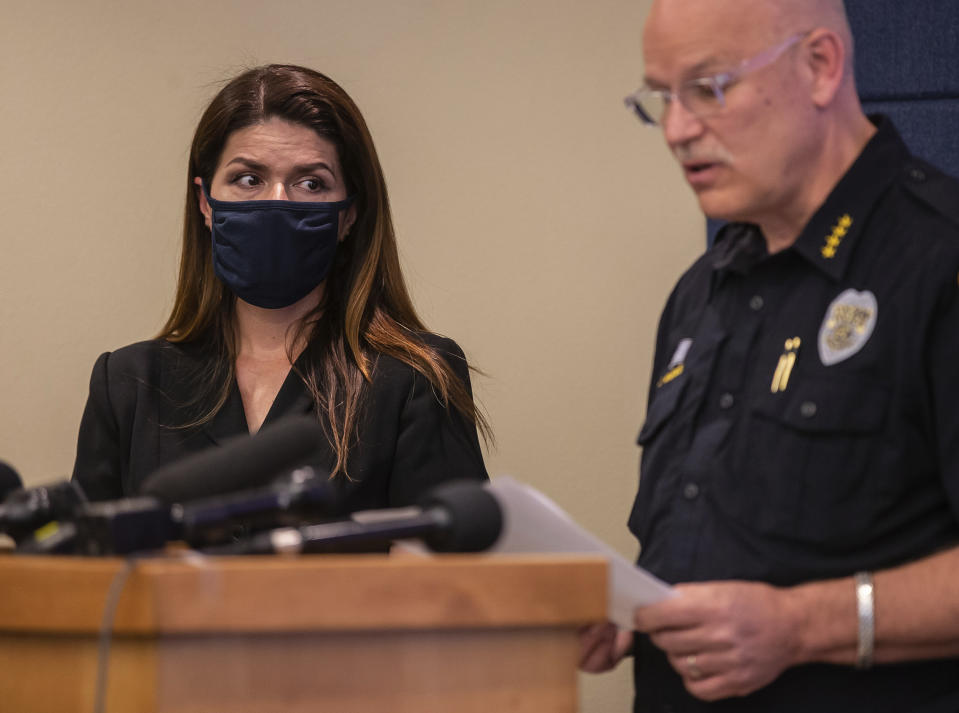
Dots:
(690, 491)
(726, 401)
(807, 409)
(756, 303)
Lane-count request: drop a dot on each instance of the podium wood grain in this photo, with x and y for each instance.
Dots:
(350, 634)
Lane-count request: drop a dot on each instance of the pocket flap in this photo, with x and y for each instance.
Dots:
(664, 403)
(825, 406)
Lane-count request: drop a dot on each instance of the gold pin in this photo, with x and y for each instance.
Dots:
(673, 373)
(778, 374)
(784, 368)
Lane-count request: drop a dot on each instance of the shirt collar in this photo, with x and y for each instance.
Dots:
(739, 246)
(830, 236)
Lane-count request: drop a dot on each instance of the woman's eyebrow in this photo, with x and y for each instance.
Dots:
(315, 166)
(248, 162)
(255, 165)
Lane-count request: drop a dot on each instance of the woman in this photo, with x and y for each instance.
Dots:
(296, 304)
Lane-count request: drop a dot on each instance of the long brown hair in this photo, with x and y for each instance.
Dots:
(365, 309)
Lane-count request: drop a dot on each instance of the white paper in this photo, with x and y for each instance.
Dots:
(534, 523)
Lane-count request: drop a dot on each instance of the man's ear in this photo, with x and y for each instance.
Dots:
(825, 57)
(204, 205)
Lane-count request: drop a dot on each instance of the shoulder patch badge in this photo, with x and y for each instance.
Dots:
(847, 326)
(676, 365)
(679, 356)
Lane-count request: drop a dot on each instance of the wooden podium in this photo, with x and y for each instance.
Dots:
(337, 634)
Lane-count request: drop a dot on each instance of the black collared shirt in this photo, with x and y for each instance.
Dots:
(803, 420)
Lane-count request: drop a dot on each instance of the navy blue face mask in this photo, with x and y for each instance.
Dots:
(272, 253)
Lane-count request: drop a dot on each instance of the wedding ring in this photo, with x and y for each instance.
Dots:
(695, 672)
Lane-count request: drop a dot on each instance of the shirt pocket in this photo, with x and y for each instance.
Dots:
(803, 470)
(650, 504)
(664, 403)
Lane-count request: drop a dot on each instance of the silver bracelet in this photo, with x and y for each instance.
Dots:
(866, 610)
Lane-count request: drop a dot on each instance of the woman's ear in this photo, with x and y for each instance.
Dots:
(346, 224)
(204, 205)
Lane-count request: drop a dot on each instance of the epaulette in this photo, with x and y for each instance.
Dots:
(932, 187)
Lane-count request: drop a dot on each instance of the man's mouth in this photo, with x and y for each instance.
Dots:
(702, 175)
(697, 167)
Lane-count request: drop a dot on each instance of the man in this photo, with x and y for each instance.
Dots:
(800, 470)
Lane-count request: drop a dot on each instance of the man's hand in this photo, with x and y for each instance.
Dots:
(602, 646)
(726, 638)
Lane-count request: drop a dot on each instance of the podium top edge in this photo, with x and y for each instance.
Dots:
(182, 594)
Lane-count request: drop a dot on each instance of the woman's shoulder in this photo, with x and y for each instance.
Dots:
(445, 347)
(144, 357)
(145, 376)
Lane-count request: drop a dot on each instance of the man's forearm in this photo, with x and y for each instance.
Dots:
(916, 610)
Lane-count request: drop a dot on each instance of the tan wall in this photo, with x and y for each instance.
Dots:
(540, 224)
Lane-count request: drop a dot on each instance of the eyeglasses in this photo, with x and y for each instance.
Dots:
(706, 96)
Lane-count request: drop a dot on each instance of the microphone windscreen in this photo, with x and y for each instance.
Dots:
(9, 480)
(475, 517)
(242, 463)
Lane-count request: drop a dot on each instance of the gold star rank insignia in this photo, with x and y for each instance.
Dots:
(839, 231)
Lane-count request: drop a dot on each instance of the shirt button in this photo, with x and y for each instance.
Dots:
(690, 491)
(756, 303)
(807, 409)
(726, 401)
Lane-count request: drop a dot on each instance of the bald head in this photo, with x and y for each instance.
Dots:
(803, 15)
(807, 14)
(769, 18)
(758, 22)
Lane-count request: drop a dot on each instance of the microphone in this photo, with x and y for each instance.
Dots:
(25, 510)
(119, 527)
(9, 480)
(203, 498)
(146, 523)
(301, 495)
(242, 463)
(459, 516)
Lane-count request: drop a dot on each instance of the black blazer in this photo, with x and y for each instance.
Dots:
(408, 441)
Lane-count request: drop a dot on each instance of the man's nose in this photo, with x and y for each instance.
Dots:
(680, 125)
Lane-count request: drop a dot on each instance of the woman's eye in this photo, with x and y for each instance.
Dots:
(246, 180)
(312, 184)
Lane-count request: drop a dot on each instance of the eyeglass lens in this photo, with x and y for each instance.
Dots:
(700, 98)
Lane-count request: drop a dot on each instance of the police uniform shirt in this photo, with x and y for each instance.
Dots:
(803, 421)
